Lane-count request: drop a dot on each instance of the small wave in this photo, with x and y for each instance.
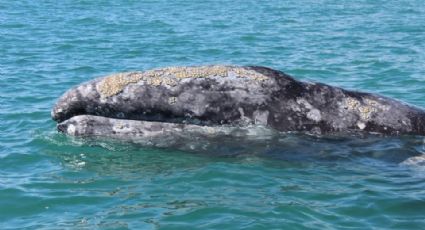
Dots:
(417, 162)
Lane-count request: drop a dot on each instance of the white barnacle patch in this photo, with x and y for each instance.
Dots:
(85, 89)
(361, 125)
(314, 115)
(120, 127)
(294, 106)
(71, 130)
(305, 103)
(244, 119)
(261, 117)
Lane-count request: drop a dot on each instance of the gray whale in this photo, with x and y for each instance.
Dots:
(207, 100)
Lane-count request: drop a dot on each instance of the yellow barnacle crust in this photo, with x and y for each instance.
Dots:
(114, 84)
(209, 71)
(197, 72)
(365, 109)
(244, 72)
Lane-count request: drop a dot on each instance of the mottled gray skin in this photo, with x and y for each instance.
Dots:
(279, 102)
(146, 131)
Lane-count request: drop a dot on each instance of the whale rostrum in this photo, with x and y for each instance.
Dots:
(205, 98)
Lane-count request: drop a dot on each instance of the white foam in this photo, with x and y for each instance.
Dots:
(416, 161)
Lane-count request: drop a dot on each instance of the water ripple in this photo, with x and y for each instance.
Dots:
(50, 181)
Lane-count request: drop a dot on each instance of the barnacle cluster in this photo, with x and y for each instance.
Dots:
(365, 109)
(114, 84)
(170, 76)
(197, 72)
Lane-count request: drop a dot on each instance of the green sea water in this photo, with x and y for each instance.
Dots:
(50, 181)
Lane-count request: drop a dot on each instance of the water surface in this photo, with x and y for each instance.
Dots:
(48, 181)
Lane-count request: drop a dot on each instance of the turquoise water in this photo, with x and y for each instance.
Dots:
(49, 181)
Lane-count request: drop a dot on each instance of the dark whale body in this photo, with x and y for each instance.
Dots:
(207, 98)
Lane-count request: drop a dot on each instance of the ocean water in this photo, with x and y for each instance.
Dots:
(49, 181)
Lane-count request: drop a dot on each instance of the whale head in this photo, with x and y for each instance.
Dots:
(76, 101)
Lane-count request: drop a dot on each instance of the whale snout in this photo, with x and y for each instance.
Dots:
(66, 109)
(73, 127)
(62, 127)
(58, 114)
(65, 106)
(74, 102)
